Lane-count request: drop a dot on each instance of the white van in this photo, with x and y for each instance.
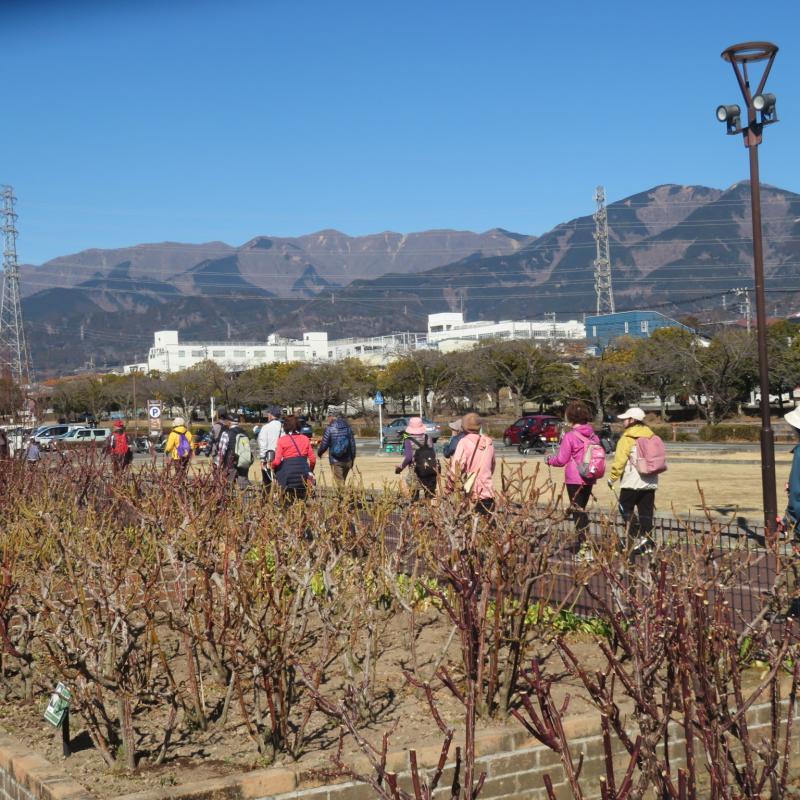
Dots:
(87, 435)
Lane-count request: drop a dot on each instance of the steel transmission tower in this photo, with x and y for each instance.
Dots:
(602, 262)
(13, 349)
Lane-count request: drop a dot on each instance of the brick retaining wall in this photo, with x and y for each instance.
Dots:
(515, 766)
(24, 775)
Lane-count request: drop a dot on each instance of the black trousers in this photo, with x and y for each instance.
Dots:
(644, 502)
(579, 495)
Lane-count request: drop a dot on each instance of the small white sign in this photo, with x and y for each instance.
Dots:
(155, 412)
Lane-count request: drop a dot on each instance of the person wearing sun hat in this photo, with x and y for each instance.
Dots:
(473, 463)
(422, 471)
(637, 491)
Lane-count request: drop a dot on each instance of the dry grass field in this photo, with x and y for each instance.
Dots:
(730, 482)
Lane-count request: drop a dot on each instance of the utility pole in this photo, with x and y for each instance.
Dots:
(13, 349)
(761, 112)
(551, 315)
(744, 306)
(135, 415)
(602, 261)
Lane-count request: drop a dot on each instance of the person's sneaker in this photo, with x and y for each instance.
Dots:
(643, 546)
(584, 554)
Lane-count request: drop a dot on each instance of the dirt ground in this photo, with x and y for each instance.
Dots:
(196, 755)
(730, 482)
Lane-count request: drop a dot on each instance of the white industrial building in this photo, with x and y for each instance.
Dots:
(169, 354)
(446, 331)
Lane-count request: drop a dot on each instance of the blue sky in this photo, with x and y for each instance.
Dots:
(128, 122)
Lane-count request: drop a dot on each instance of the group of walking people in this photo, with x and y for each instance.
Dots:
(635, 467)
(471, 458)
(286, 455)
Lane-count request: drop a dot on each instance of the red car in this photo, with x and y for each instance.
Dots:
(542, 424)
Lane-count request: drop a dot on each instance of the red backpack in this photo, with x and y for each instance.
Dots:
(120, 446)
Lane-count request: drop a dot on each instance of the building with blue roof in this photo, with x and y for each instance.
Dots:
(602, 329)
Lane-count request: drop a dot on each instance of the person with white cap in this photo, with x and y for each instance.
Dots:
(637, 489)
(458, 434)
(267, 445)
(792, 519)
(179, 446)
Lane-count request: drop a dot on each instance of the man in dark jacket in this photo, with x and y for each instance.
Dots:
(458, 434)
(340, 444)
(227, 459)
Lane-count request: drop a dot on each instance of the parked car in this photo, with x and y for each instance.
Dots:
(304, 427)
(530, 426)
(201, 441)
(47, 434)
(608, 438)
(393, 432)
(87, 436)
(16, 438)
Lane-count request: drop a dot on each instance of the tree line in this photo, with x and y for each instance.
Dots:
(716, 376)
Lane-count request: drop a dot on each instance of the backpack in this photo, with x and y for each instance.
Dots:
(593, 464)
(651, 455)
(340, 447)
(243, 451)
(426, 465)
(119, 445)
(184, 449)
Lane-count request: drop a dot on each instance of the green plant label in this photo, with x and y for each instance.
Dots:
(58, 705)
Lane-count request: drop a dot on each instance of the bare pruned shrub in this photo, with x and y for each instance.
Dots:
(677, 684)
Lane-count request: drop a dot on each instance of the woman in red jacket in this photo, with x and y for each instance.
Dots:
(294, 461)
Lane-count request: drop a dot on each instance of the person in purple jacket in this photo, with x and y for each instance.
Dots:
(569, 455)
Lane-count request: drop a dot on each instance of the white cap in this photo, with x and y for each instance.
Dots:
(793, 417)
(632, 413)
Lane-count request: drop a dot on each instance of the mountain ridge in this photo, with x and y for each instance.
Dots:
(669, 244)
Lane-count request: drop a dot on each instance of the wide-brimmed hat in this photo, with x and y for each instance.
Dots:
(455, 426)
(415, 426)
(119, 424)
(632, 413)
(793, 417)
(178, 421)
(471, 422)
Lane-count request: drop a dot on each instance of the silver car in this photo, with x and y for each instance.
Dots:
(393, 432)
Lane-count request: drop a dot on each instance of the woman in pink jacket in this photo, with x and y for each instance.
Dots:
(569, 455)
(475, 454)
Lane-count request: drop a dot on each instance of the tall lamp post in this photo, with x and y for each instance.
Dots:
(760, 112)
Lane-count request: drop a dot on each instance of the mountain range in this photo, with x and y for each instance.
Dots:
(670, 245)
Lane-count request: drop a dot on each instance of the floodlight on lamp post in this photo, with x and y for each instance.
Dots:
(760, 110)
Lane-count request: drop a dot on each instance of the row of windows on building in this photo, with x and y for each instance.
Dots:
(297, 354)
(644, 327)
